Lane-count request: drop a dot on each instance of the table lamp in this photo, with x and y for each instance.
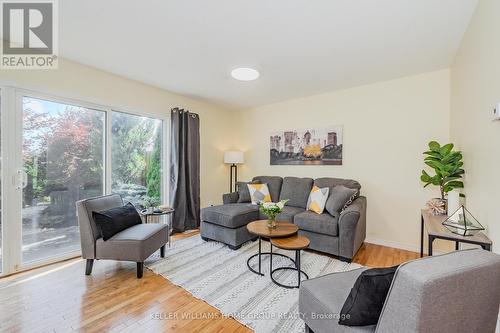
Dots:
(233, 157)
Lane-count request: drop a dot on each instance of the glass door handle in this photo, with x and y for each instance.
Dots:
(21, 179)
(24, 179)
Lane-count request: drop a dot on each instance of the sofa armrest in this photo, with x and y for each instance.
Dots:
(352, 228)
(230, 198)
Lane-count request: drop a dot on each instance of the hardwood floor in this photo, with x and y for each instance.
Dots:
(381, 256)
(60, 298)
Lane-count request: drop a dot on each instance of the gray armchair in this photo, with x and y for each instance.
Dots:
(135, 244)
(454, 292)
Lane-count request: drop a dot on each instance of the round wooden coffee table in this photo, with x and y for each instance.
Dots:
(295, 243)
(260, 228)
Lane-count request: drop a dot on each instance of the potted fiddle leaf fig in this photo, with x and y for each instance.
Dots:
(447, 165)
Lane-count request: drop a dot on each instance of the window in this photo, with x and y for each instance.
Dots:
(61, 151)
(136, 156)
(63, 157)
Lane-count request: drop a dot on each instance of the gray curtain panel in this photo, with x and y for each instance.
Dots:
(185, 169)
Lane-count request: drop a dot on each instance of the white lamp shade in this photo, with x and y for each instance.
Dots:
(233, 157)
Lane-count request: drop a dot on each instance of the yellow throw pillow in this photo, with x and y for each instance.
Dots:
(317, 199)
(259, 193)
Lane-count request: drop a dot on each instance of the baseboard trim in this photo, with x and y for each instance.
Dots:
(397, 245)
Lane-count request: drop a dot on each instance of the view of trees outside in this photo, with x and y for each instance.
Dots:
(63, 156)
(136, 152)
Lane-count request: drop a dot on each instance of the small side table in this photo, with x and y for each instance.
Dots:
(294, 243)
(436, 230)
(260, 228)
(166, 212)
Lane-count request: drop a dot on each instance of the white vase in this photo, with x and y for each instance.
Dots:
(453, 202)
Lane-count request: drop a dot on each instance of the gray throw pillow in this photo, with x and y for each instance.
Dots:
(296, 191)
(340, 197)
(242, 189)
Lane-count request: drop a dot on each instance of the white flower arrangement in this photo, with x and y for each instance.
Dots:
(272, 209)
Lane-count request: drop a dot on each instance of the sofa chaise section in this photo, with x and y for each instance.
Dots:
(227, 223)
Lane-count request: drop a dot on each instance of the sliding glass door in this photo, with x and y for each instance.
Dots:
(56, 151)
(63, 161)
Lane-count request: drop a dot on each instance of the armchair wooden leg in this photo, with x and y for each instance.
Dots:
(88, 267)
(162, 251)
(140, 269)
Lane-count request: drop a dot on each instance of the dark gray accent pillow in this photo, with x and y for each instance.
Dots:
(296, 190)
(112, 221)
(339, 197)
(273, 184)
(364, 304)
(242, 189)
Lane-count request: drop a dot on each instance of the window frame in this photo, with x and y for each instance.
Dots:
(11, 155)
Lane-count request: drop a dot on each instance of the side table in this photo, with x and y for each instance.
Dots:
(146, 216)
(293, 243)
(260, 228)
(436, 230)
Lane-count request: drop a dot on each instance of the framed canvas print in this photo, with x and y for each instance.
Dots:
(318, 146)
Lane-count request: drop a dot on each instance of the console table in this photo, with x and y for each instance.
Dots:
(436, 230)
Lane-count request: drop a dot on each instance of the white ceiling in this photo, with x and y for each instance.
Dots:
(300, 47)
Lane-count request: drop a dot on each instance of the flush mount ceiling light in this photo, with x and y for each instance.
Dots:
(245, 74)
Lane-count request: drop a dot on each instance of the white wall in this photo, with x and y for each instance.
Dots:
(77, 81)
(387, 126)
(475, 90)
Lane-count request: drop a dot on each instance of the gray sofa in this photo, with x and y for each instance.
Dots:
(454, 292)
(340, 235)
(135, 244)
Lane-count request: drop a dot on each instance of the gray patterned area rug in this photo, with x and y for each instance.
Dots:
(219, 276)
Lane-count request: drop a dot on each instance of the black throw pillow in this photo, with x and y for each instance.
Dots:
(364, 304)
(112, 221)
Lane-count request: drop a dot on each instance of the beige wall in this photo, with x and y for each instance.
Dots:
(76, 81)
(475, 90)
(387, 126)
